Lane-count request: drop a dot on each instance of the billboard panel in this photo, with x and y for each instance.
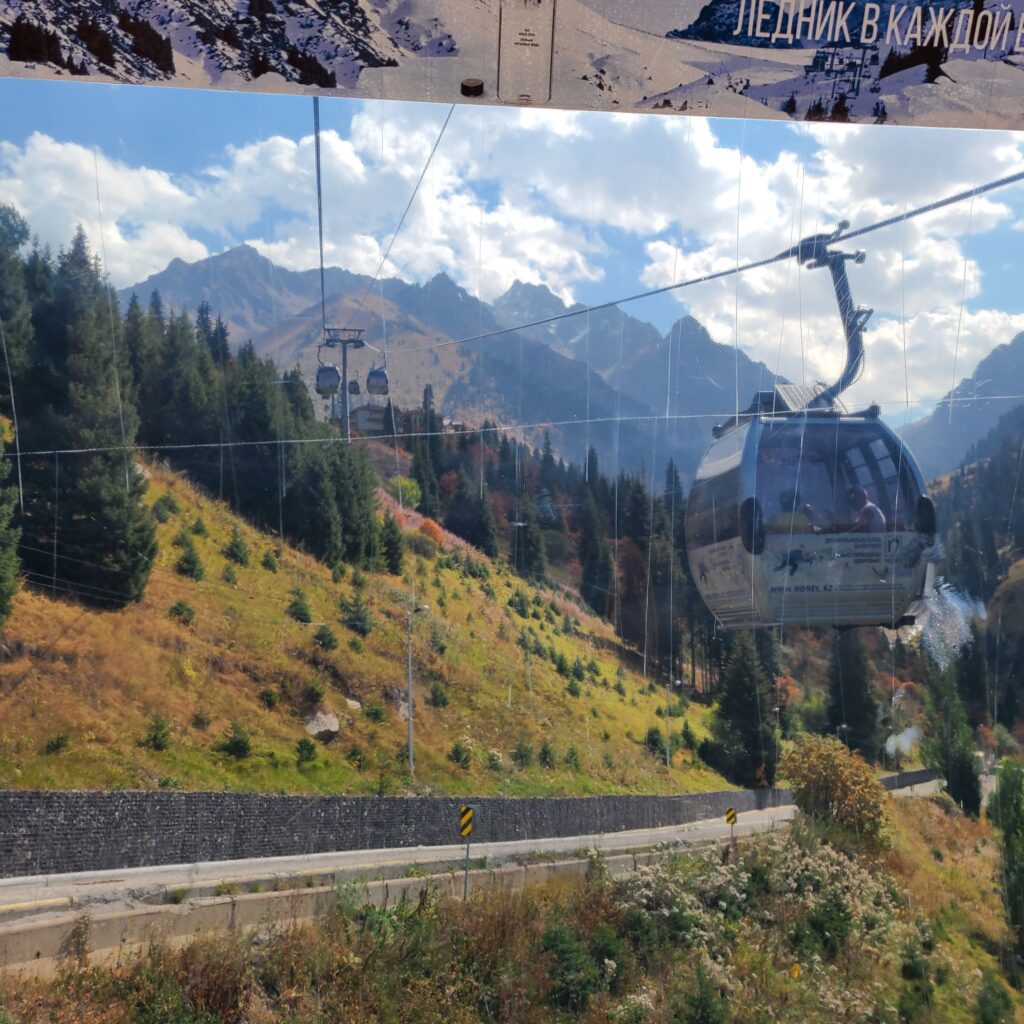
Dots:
(958, 64)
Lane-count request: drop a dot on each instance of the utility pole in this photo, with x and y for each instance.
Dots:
(413, 609)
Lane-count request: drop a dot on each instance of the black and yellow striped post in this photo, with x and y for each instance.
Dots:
(730, 820)
(465, 831)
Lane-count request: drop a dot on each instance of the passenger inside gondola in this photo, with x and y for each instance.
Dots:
(869, 517)
(794, 516)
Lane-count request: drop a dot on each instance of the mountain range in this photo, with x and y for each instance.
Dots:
(608, 379)
(603, 378)
(966, 414)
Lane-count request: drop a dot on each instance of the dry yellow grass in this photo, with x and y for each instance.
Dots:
(101, 677)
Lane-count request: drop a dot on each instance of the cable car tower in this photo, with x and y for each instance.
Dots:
(804, 512)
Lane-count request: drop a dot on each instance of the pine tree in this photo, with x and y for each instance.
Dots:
(392, 544)
(10, 534)
(852, 707)
(424, 475)
(745, 742)
(948, 746)
(526, 555)
(594, 555)
(470, 517)
(87, 505)
(972, 677)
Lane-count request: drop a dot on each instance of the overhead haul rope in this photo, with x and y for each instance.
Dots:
(971, 193)
(405, 212)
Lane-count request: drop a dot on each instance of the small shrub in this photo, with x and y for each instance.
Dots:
(268, 561)
(619, 688)
(169, 782)
(177, 896)
(519, 604)
(298, 608)
(182, 539)
(572, 759)
(438, 640)
(705, 1006)
(229, 575)
(546, 756)
(315, 692)
(573, 688)
(994, 1005)
(158, 735)
(199, 527)
(460, 755)
(495, 762)
(689, 737)
(358, 580)
(829, 781)
(305, 751)
(236, 550)
(201, 720)
(438, 696)
(574, 975)
(432, 532)
(356, 757)
(164, 507)
(522, 756)
(324, 637)
(356, 614)
(654, 742)
(55, 744)
(190, 565)
(355, 645)
(183, 612)
(237, 743)
(374, 712)
(270, 698)
(421, 545)
(338, 571)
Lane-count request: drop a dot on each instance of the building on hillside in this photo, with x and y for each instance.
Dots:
(368, 419)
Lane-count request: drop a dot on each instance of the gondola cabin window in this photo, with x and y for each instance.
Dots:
(833, 477)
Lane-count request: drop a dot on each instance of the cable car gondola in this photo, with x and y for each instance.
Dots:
(377, 381)
(328, 380)
(353, 387)
(802, 512)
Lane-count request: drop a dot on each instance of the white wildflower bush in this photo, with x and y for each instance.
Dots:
(825, 898)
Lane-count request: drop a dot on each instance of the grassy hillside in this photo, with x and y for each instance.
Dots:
(80, 688)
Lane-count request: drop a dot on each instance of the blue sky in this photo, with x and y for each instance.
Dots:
(595, 206)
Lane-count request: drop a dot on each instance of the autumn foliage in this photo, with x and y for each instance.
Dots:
(431, 530)
(831, 782)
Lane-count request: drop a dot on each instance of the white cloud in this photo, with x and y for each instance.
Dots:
(144, 213)
(542, 196)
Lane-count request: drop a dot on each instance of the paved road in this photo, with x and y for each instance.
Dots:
(49, 894)
(127, 887)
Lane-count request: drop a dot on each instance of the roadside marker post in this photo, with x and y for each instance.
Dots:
(730, 820)
(465, 831)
